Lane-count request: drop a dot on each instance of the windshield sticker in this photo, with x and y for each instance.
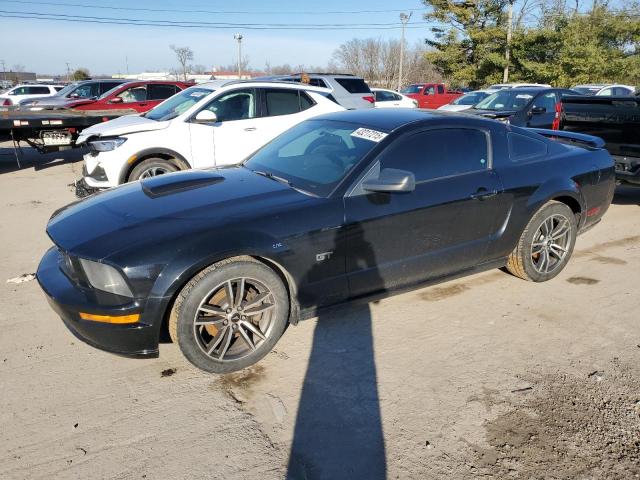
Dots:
(367, 134)
(198, 94)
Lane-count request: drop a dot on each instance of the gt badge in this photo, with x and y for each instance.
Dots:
(320, 257)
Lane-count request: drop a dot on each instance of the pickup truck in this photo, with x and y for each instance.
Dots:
(430, 95)
(614, 119)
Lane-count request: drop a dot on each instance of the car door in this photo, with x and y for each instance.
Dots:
(542, 112)
(443, 226)
(233, 136)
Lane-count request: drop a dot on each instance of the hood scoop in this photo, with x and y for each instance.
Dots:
(169, 184)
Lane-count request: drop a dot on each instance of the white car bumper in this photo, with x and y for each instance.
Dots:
(102, 170)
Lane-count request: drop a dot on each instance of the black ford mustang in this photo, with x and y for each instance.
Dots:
(346, 205)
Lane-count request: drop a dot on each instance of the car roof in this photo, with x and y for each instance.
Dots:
(389, 119)
(274, 83)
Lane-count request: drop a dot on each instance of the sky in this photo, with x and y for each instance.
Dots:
(45, 46)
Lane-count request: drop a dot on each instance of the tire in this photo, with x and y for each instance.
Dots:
(150, 168)
(527, 260)
(223, 343)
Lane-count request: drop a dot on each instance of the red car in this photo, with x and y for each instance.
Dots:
(430, 95)
(139, 96)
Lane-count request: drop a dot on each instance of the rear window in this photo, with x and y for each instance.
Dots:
(161, 92)
(286, 102)
(353, 85)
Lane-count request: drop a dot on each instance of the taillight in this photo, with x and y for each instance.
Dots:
(555, 125)
(369, 98)
(6, 102)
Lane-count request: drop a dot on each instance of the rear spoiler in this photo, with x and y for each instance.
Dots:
(581, 139)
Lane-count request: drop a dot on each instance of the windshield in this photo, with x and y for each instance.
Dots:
(67, 89)
(315, 155)
(505, 100)
(470, 98)
(177, 104)
(412, 89)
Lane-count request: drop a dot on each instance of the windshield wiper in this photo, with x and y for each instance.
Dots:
(283, 180)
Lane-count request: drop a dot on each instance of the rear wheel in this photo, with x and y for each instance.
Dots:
(546, 244)
(151, 167)
(230, 315)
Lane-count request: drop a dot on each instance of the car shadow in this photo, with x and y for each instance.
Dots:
(338, 431)
(30, 158)
(627, 196)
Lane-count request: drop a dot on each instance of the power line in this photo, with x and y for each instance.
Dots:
(220, 12)
(186, 24)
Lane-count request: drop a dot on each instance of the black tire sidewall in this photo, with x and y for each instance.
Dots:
(545, 212)
(187, 311)
(150, 163)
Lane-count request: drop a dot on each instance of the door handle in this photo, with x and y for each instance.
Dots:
(483, 193)
(250, 129)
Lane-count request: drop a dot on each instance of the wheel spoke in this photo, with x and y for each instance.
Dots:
(239, 293)
(254, 329)
(558, 255)
(245, 337)
(258, 299)
(536, 248)
(216, 341)
(229, 291)
(263, 307)
(209, 321)
(212, 310)
(226, 344)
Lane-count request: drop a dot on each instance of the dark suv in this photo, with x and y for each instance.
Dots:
(76, 90)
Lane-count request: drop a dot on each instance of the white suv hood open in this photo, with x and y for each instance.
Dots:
(121, 126)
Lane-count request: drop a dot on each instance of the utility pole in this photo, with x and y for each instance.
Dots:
(238, 37)
(507, 51)
(4, 72)
(126, 61)
(404, 18)
(68, 73)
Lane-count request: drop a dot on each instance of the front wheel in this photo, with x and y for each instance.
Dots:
(230, 315)
(546, 244)
(151, 167)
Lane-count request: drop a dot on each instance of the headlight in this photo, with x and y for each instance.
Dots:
(105, 277)
(107, 145)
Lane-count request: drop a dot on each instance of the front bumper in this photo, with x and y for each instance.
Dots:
(102, 170)
(68, 299)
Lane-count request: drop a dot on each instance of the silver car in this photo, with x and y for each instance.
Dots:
(347, 90)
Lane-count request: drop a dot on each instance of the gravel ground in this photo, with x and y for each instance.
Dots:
(487, 376)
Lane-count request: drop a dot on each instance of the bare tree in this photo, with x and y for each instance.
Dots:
(184, 55)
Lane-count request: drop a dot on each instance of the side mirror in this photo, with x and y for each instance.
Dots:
(538, 110)
(391, 180)
(205, 116)
(116, 100)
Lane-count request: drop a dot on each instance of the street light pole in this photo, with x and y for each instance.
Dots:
(4, 72)
(507, 51)
(404, 18)
(238, 37)
(68, 73)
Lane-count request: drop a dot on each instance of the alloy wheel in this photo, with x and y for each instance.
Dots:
(234, 319)
(551, 243)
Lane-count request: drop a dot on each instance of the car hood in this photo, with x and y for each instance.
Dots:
(492, 113)
(169, 208)
(455, 108)
(121, 126)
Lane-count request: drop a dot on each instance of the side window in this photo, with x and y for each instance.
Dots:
(382, 96)
(396, 96)
(235, 105)
(106, 86)
(18, 91)
(429, 90)
(546, 101)
(86, 91)
(37, 91)
(525, 149)
(451, 151)
(161, 92)
(285, 102)
(134, 94)
(440, 89)
(317, 82)
(607, 92)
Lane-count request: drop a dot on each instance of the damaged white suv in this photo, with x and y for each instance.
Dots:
(213, 124)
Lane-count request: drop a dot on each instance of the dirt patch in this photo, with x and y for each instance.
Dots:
(622, 242)
(568, 427)
(609, 260)
(582, 280)
(238, 385)
(440, 293)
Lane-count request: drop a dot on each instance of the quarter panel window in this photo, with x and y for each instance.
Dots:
(438, 153)
(525, 149)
